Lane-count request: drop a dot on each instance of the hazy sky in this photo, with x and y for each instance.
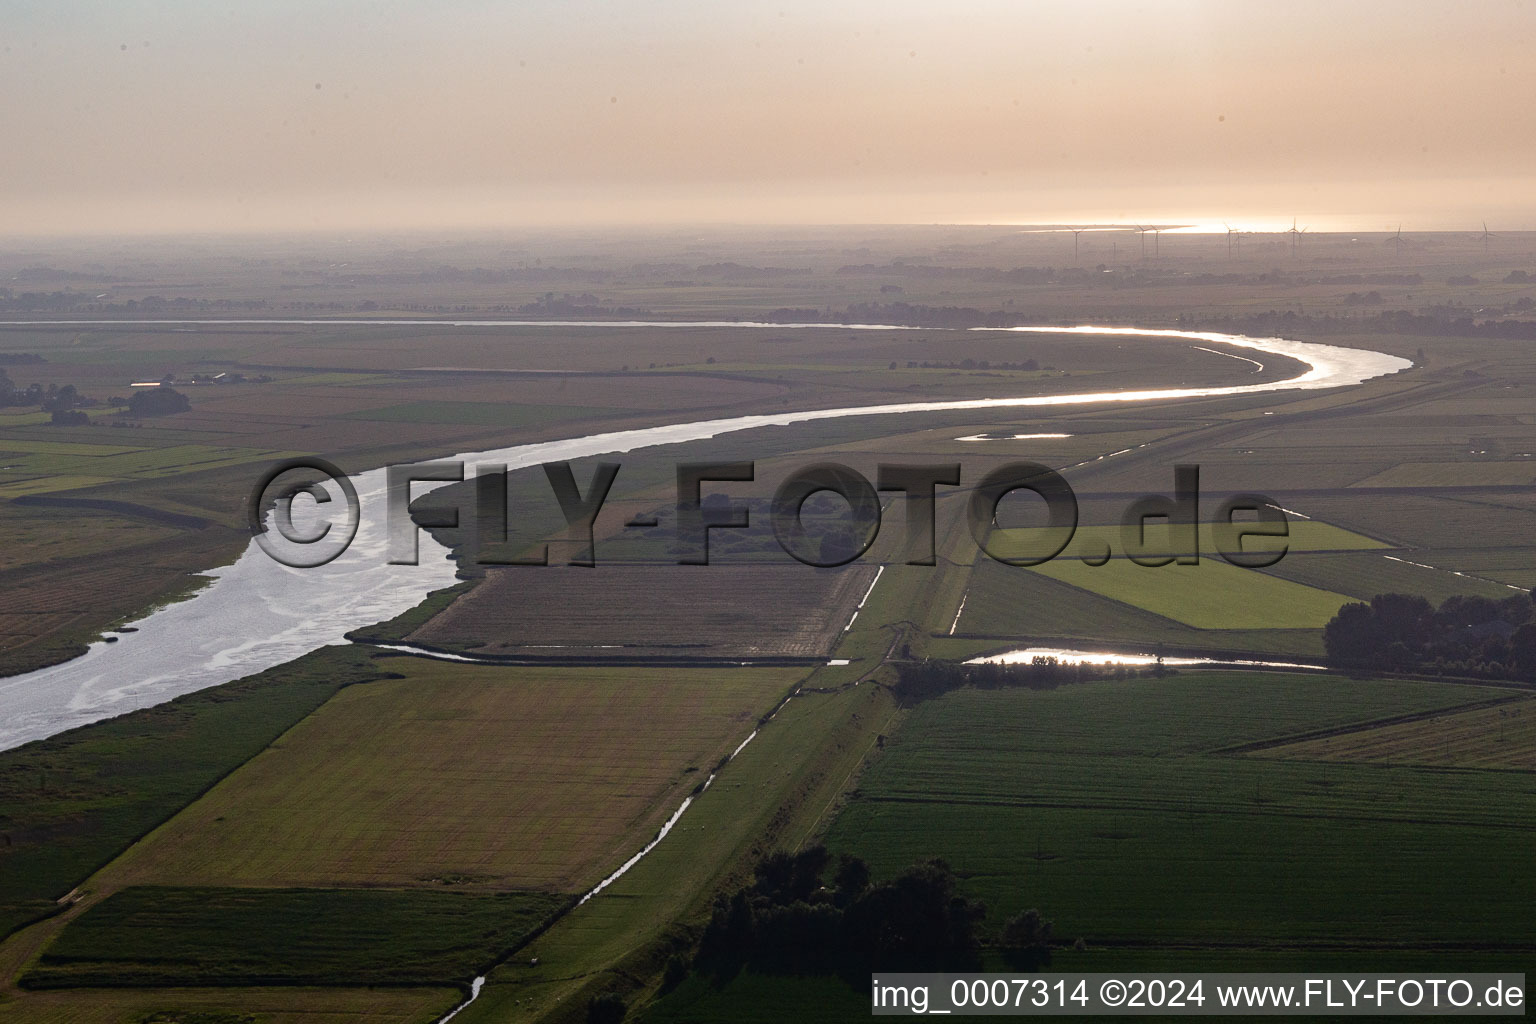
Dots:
(213, 115)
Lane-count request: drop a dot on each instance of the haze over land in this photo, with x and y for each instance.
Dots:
(183, 117)
(630, 767)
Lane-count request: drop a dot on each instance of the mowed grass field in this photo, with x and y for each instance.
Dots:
(1004, 602)
(1491, 737)
(1115, 808)
(472, 776)
(73, 802)
(1211, 605)
(1210, 595)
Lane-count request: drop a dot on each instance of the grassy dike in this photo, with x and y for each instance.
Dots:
(775, 794)
(781, 791)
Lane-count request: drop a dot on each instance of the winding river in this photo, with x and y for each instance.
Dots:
(256, 613)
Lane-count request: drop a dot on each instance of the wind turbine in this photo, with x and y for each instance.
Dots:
(1076, 232)
(1295, 237)
(1143, 233)
(1230, 232)
(1487, 235)
(1397, 242)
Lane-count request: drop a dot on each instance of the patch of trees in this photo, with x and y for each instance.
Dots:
(794, 919)
(732, 271)
(161, 401)
(20, 359)
(59, 399)
(918, 681)
(1465, 636)
(12, 301)
(1409, 280)
(51, 398)
(1370, 298)
(585, 304)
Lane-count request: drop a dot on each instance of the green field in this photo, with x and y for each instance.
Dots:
(8, 445)
(73, 802)
(166, 937)
(268, 1005)
(1302, 535)
(43, 468)
(1500, 736)
(50, 484)
(475, 776)
(1006, 602)
(37, 537)
(1210, 595)
(1112, 807)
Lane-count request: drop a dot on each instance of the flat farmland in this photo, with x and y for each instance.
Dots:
(971, 442)
(1210, 595)
(16, 488)
(286, 1005)
(60, 469)
(75, 802)
(482, 777)
(1427, 520)
(1009, 602)
(1471, 473)
(492, 414)
(52, 605)
(1159, 539)
(1363, 575)
(33, 534)
(716, 611)
(1114, 808)
(165, 936)
(1503, 736)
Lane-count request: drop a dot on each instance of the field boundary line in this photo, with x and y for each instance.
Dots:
(1379, 723)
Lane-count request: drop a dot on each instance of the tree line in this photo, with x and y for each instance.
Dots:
(805, 913)
(1464, 636)
(65, 403)
(917, 681)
